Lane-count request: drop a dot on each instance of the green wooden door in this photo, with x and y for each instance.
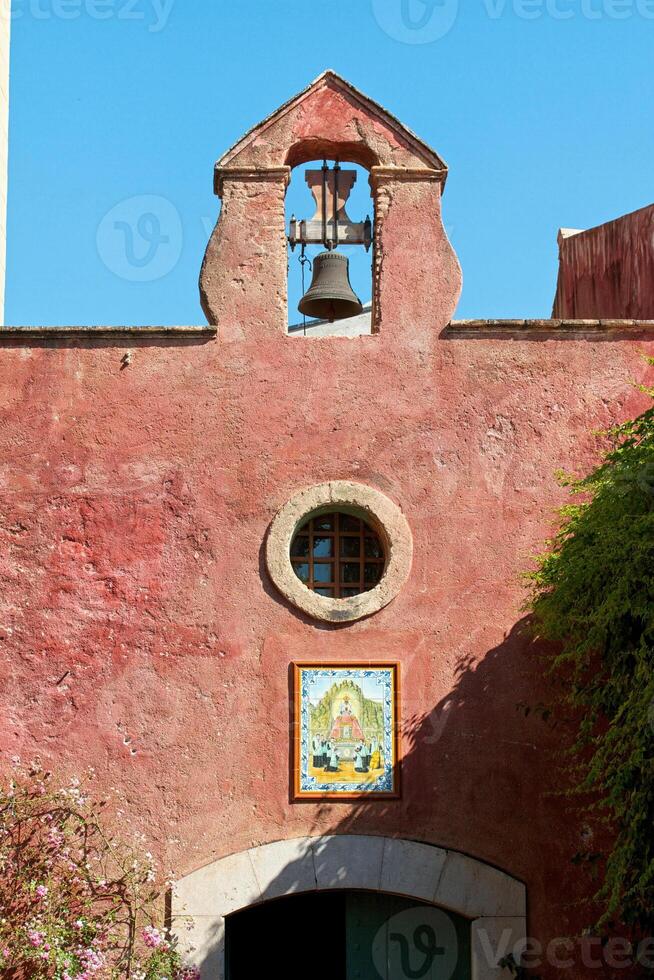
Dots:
(392, 938)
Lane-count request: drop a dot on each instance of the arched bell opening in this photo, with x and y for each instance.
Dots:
(311, 149)
(330, 239)
(347, 935)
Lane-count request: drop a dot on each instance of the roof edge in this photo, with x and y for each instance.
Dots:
(430, 156)
(565, 233)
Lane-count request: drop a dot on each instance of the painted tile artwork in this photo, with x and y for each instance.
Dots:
(346, 730)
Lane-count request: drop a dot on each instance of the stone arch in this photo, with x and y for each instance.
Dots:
(315, 148)
(493, 901)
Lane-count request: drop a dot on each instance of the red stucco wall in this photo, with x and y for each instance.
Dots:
(133, 509)
(608, 271)
(140, 633)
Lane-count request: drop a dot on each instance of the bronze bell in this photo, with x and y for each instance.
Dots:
(330, 295)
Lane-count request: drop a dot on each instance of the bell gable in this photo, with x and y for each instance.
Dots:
(331, 118)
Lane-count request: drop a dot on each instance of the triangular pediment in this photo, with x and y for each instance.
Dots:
(329, 115)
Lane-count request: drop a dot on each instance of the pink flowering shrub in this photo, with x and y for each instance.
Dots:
(76, 901)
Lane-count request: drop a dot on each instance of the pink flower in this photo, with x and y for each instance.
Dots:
(92, 961)
(41, 891)
(188, 973)
(35, 937)
(152, 937)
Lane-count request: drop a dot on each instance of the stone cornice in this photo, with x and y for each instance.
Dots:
(464, 327)
(104, 331)
(551, 326)
(406, 174)
(282, 174)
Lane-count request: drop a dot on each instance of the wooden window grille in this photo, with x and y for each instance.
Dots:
(337, 555)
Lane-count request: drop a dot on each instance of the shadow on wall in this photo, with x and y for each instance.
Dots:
(480, 775)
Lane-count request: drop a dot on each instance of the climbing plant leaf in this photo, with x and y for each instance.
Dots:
(592, 595)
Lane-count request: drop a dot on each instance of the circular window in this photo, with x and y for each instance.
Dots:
(338, 555)
(339, 551)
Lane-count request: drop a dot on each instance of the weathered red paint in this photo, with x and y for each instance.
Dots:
(140, 632)
(608, 271)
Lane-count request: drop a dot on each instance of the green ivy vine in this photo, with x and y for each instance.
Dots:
(592, 595)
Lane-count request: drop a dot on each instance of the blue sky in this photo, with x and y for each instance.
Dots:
(542, 109)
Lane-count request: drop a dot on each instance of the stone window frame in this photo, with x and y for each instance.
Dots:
(361, 500)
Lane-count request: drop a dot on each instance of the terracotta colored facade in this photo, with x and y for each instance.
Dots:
(140, 632)
(608, 271)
